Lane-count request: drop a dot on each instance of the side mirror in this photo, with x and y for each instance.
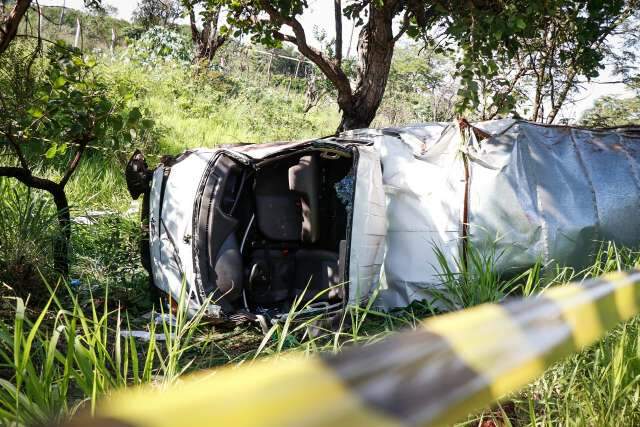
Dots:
(138, 175)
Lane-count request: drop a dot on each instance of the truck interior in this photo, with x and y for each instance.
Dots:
(275, 231)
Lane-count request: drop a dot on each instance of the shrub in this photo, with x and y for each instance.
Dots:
(27, 232)
(106, 252)
(160, 45)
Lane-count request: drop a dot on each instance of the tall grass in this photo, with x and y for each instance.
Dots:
(207, 109)
(70, 355)
(598, 387)
(73, 353)
(28, 229)
(469, 282)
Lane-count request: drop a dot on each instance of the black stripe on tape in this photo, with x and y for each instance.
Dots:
(396, 376)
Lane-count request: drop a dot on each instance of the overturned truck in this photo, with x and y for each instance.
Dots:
(259, 230)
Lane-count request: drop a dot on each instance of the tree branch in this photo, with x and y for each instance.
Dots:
(512, 83)
(195, 34)
(29, 36)
(329, 67)
(17, 150)
(75, 160)
(572, 71)
(337, 5)
(286, 38)
(46, 18)
(24, 175)
(406, 21)
(11, 22)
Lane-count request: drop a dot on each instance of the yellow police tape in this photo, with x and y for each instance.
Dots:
(450, 366)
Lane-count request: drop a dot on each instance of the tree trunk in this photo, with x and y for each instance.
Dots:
(207, 41)
(537, 99)
(114, 38)
(215, 40)
(9, 25)
(556, 106)
(375, 51)
(337, 9)
(64, 4)
(61, 245)
(195, 33)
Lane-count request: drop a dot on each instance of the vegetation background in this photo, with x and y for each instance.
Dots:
(157, 86)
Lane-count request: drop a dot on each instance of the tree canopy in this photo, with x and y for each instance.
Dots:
(54, 107)
(484, 33)
(207, 40)
(551, 52)
(150, 13)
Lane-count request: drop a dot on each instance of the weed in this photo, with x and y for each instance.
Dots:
(472, 282)
(28, 230)
(69, 357)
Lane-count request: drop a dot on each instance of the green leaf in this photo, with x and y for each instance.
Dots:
(413, 31)
(59, 82)
(134, 115)
(35, 112)
(521, 24)
(104, 106)
(100, 130)
(116, 122)
(51, 152)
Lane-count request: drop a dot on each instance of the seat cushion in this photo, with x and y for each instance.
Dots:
(278, 210)
(270, 275)
(317, 270)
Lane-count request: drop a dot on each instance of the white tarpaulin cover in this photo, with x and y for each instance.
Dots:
(533, 193)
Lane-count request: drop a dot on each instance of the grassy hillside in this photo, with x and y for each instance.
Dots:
(60, 24)
(209, 108)
(197, 110)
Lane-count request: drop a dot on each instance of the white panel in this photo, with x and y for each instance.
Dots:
(171, 240)
(368, 226)
(424, 185)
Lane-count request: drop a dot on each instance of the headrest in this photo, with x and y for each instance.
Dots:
(304, 180)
